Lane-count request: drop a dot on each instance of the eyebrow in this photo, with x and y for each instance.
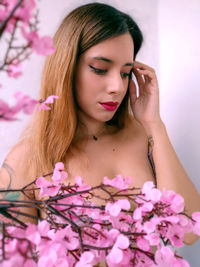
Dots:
(111, 61)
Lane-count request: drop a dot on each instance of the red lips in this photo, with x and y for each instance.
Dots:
(110, 105)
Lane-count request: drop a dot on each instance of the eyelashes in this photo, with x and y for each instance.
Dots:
(101, 72)
(98, 71)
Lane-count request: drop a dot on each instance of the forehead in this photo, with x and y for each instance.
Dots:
(118, 49)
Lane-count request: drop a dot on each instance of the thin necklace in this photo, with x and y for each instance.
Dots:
(95, 137)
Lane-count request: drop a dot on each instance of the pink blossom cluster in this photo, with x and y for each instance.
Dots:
(23, 103)
(77, 232)
(18, 18)
(24, 12)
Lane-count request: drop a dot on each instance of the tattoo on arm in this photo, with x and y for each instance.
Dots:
(150, 156)
(150, 143)
(11, 175)
(10, 172)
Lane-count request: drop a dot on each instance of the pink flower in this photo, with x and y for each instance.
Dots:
(30, 263)
(153, 239)
(164, 257)
(43, 228)
(25, 11)
(59, 175)
(14, 70)
(196, 228)
(143, 243)
(62, 262)
(49, 100)
(175, 201)
(115, 256)
(149, 227)
(175, 234)
(15, 260)
(5, 111)
(122, 242)
(48, 260)
(32, 234)
(86, 260)
(151, 193)
(24, 103)
(46, 188)
(118, 182)
(177, 204)
(137, 214)
(196, 216)
(3, 13)
(115, 208)
(141, 210)
(41, 45)
(81, 185)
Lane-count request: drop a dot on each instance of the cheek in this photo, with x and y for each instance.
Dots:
(85, 89)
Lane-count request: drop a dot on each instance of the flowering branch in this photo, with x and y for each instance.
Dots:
(5, 22)
(24, 103)
(18, 19)
(77, 232)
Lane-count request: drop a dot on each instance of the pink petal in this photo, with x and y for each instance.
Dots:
(59, 166)
(122, 242)
(87, 257)
(124, 204)
(149, 227)
(196, 216)
(43, 227)
(142, 243)
(32, 234)
(115, 256)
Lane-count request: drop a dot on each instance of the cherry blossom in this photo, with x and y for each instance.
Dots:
(49, 100)
(14, 70)
(118, 182)
(46, 188)
(126, 235)
(41, 45)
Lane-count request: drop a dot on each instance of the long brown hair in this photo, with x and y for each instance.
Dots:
(51, 132)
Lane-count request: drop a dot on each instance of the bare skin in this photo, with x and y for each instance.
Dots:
(124, 152)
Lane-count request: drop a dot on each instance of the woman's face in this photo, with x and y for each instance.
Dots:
(102, 77)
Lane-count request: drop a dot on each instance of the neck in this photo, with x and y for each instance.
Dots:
(89, 128)
(95, 132)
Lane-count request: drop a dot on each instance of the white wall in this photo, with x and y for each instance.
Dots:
(171, 32)
(179, 57)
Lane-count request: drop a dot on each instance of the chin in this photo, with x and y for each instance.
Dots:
(108, 118)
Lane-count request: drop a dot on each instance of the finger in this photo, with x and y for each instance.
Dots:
(149, 76)
(132, 91)
(140, 80)
(142, 66)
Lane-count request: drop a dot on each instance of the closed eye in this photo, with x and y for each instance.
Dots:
(98, 71)
(101, 72)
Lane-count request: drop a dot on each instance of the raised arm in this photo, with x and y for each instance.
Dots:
(170, 174)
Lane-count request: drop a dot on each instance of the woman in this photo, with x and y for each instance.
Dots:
(99, 126)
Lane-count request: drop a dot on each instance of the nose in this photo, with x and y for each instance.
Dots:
(115, 84)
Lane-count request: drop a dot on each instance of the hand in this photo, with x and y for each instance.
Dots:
(145, 108)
